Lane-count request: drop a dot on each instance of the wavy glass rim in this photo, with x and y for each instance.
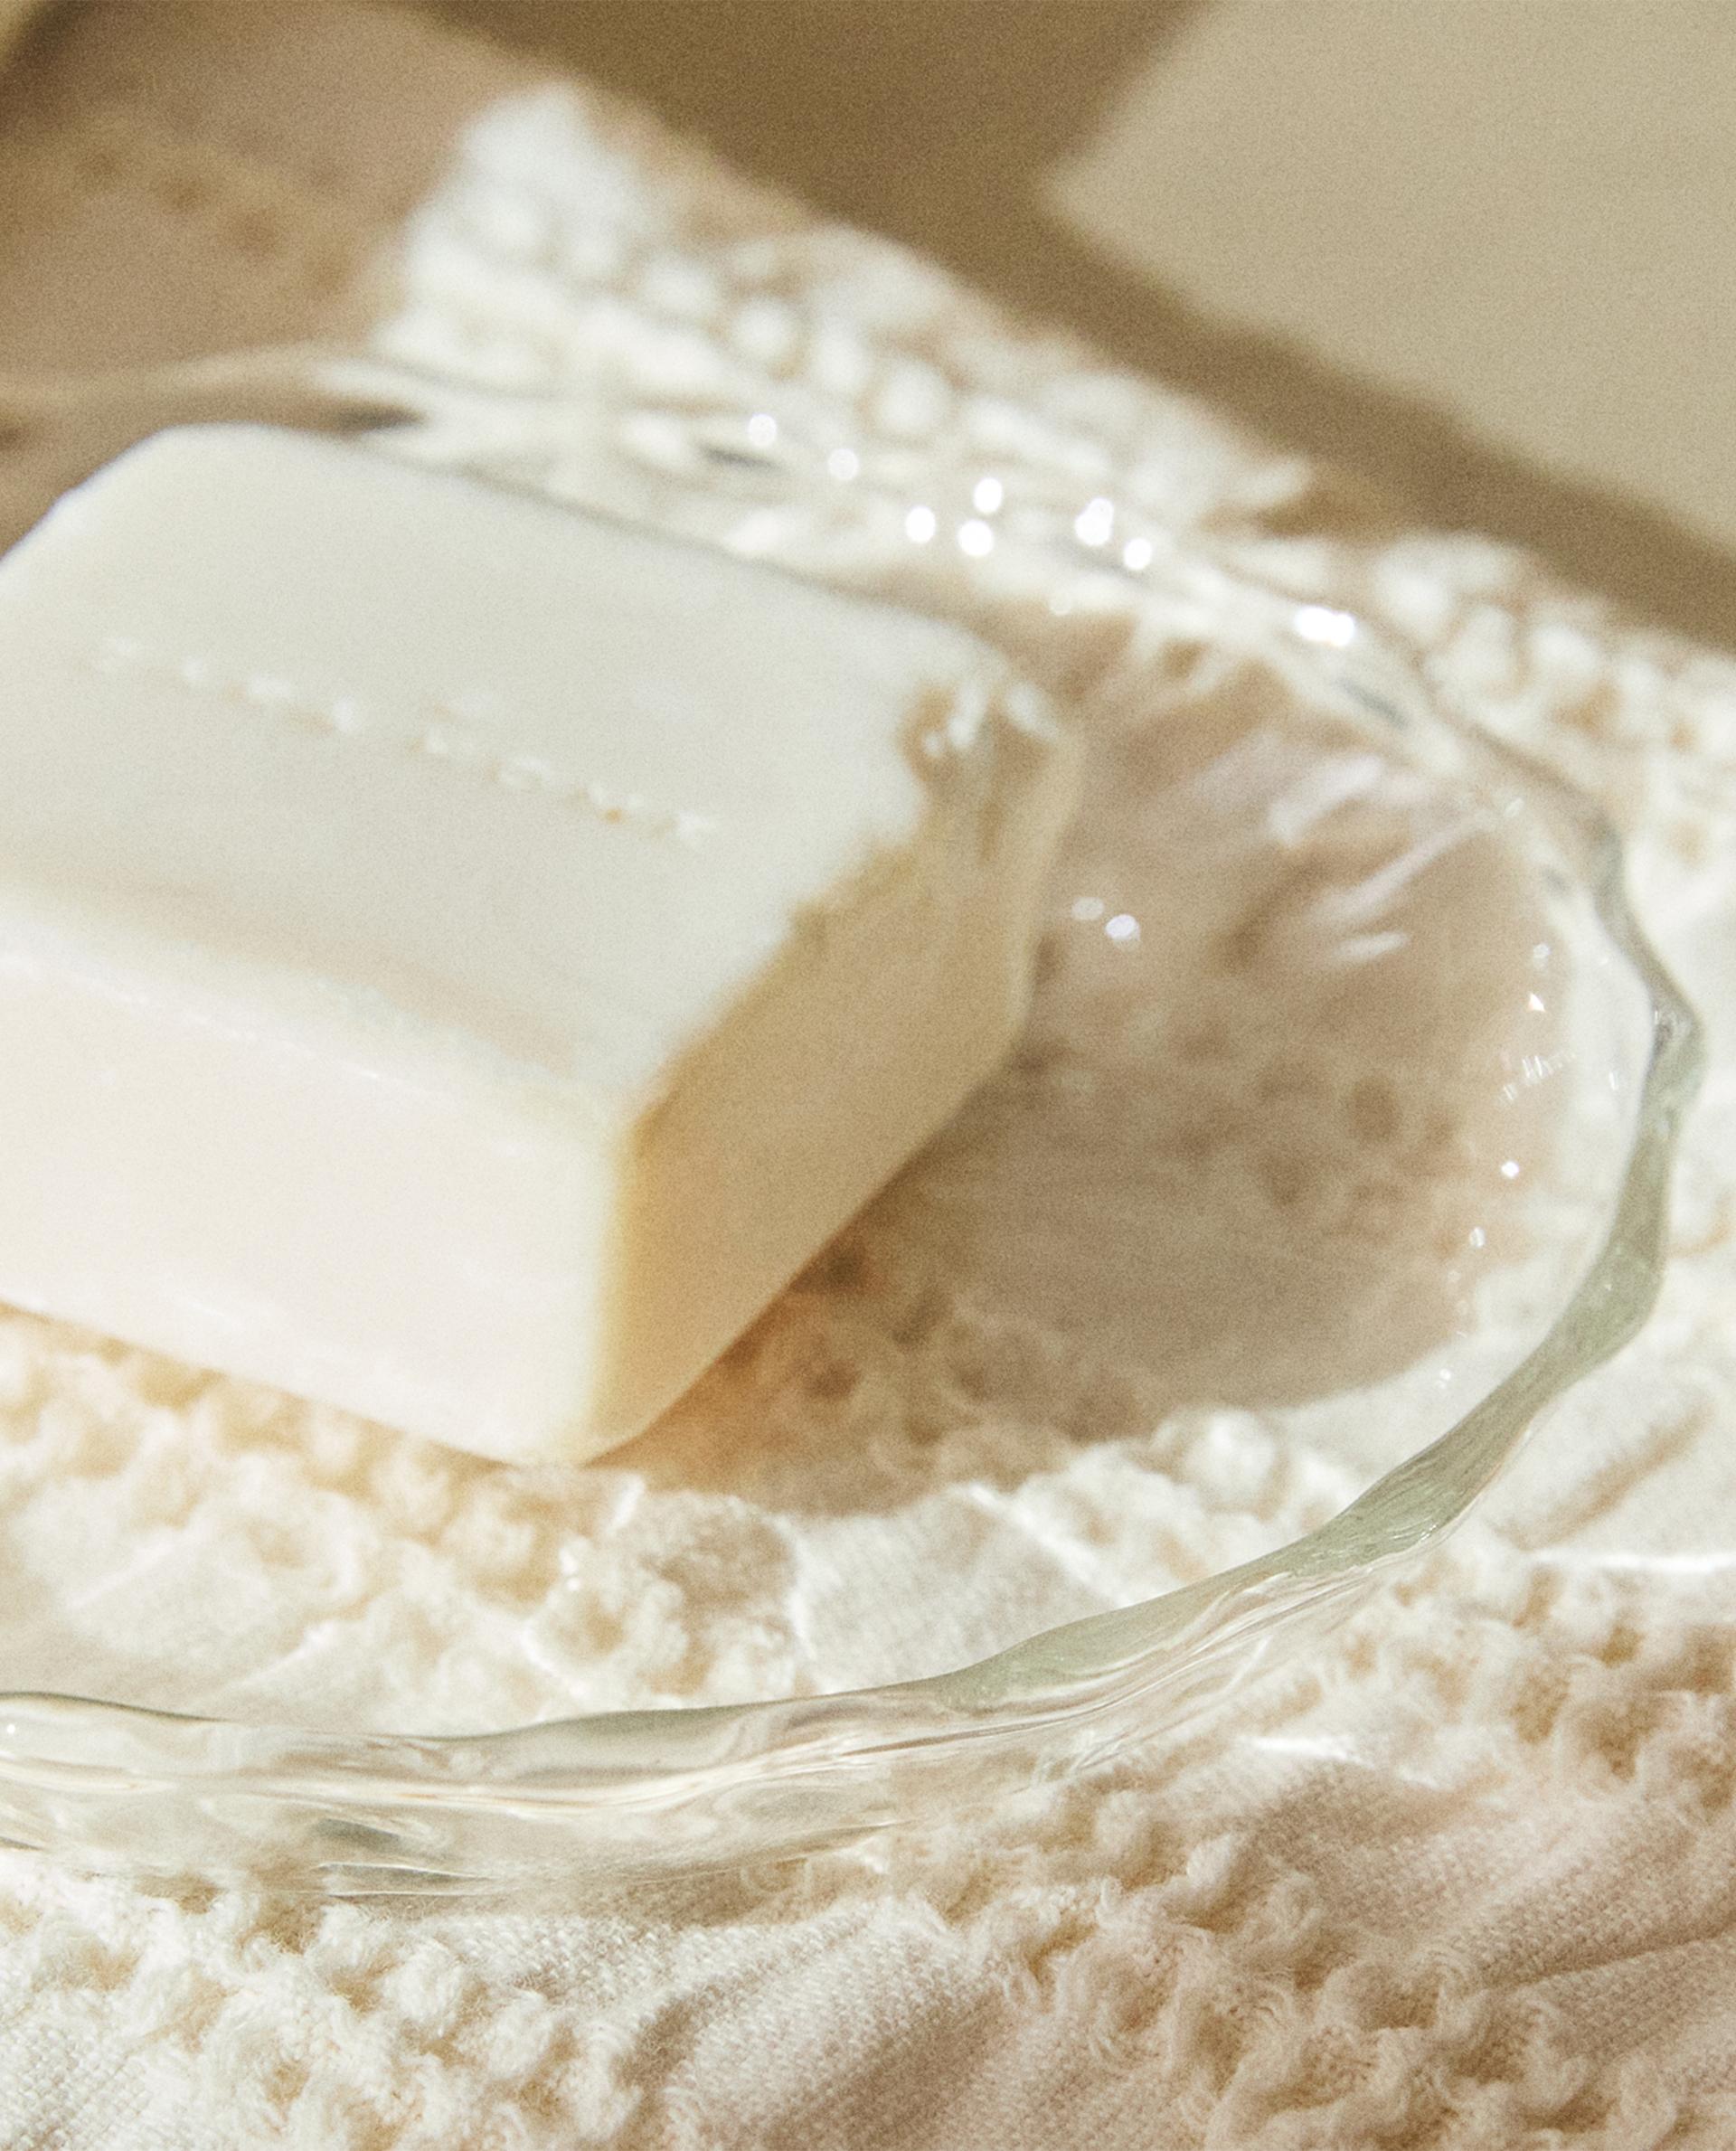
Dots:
(109, 1784)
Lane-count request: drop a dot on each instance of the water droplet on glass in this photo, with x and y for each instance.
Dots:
(1095, 522)
(1322, 624)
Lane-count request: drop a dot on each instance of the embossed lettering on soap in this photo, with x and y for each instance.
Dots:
(443, 731)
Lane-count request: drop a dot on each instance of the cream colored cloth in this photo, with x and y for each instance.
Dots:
(1463, 1877)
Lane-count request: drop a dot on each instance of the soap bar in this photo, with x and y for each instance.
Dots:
(459, 958)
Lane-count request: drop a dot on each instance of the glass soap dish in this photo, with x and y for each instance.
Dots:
(1336, 1150)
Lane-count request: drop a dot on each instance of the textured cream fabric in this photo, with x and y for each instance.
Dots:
(1464, 1878)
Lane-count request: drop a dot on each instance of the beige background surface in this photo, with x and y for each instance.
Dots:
(1514, 306)
(1522, 209)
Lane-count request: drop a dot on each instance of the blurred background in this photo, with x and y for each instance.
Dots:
(1480, 253)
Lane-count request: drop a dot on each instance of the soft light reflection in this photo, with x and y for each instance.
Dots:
(988, 495)
(1124, 928)
(843, 464)
(1095, 522)
(920, 525)
(1639, 1564)
(1510, 1169)
(763, 429)
(975, 538)
(1320, 623)
(1088, 909)
(1136, 555)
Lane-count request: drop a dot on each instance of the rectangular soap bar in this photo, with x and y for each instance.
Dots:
(458, 958)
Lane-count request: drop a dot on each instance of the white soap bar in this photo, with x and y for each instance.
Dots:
(459, 958)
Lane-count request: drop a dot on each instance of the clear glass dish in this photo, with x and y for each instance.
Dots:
(1345, 1113)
